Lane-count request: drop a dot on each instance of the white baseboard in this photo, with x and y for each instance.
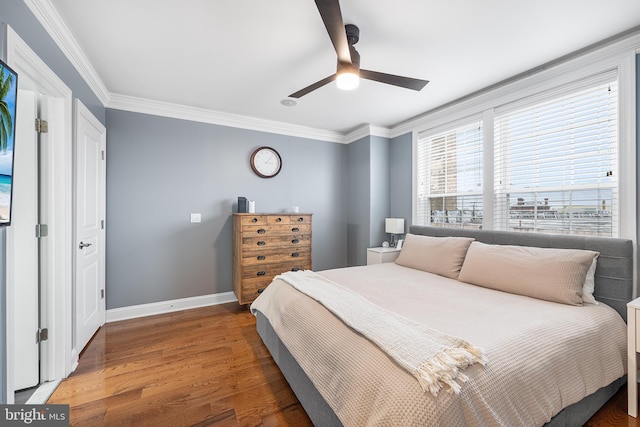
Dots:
(142, 310)
(43, 393)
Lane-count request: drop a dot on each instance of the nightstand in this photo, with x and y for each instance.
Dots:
(380, 255)
(633, 347)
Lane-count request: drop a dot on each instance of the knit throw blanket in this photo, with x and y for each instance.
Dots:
(433, 358)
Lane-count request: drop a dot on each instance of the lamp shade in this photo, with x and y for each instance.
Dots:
(394, 225)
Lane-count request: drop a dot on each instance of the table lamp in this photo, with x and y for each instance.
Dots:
(394, 226)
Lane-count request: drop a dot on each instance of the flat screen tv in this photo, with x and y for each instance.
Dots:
(8, 96)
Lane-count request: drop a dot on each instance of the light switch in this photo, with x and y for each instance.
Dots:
(196, 217)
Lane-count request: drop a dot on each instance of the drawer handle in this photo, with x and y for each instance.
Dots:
(262, 243)
(260, 290)
(279, 220)
(295, 254)
(261, 231)
(295, 241)
(295, 269)
(254, 220)
(261, 273)
(301, 219)
(261, 257)
(295, 229)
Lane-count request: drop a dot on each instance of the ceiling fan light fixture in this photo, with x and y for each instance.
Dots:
(347, 78)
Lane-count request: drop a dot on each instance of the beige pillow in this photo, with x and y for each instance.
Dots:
(545, 273)
(438, 255)
(589, 285)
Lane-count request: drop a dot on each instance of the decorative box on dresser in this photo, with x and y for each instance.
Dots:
(265, 245)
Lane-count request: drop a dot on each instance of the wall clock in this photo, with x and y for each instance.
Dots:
(266, 162)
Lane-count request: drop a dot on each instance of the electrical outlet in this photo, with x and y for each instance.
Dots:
(196, 217)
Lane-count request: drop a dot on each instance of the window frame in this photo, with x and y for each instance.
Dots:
(528, 189)
(448, 129)
(619, 56)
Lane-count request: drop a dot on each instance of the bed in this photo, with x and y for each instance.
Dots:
(543, 362)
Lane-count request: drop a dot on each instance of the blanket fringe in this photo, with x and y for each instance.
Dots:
(444, 368)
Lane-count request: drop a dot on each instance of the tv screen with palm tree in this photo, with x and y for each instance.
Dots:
(8, 96)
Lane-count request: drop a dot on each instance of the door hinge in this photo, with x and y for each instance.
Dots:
(42, 230)
(42, 126)
(102, 224)
(101, 293)
(43, 334)
(102, 154)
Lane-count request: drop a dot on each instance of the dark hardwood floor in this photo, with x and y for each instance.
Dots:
(198, 367)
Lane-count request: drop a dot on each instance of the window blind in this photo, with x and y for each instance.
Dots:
(449, 177)
(556, 161)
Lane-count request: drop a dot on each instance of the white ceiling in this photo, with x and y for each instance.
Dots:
(244, 56)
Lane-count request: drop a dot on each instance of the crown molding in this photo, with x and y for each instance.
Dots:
(202, 115)
(364, 131)
(50, 19)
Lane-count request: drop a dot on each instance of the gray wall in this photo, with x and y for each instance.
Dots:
(379, 189)
(159, 170)
(368, 190)
(401, 179)
(358, 201)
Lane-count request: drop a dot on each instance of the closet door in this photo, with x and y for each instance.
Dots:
(90, 197)
(22, 246)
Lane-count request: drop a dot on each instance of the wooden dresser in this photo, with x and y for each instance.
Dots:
(265, 245)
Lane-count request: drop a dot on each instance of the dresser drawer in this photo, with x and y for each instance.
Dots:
(278, 219)
(264, 271)
(273, 255)
(301, 219)
(246, 220)
(252, 288)
(252, 244)
(279, 229)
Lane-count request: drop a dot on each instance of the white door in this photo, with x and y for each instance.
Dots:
(90, 201)
(22, 245)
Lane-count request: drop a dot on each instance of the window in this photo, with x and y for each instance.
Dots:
(450, 177)
(552, 165)
(556, 162)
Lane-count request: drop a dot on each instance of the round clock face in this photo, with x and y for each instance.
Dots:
(266, 162)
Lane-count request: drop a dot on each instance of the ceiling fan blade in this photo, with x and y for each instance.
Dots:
(405, 82)
(312, 87)
(332, 18)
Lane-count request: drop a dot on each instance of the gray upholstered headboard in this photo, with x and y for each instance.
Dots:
(614, 272)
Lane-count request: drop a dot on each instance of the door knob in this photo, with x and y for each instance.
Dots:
(85, 245)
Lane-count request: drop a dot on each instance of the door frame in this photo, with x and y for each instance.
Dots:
(58, 355)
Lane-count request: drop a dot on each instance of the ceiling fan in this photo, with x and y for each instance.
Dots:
(349, 72)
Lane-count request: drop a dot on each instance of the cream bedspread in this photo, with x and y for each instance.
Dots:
(433, 358)
(543, 356)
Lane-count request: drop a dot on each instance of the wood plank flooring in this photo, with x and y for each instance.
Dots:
(198, 367)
